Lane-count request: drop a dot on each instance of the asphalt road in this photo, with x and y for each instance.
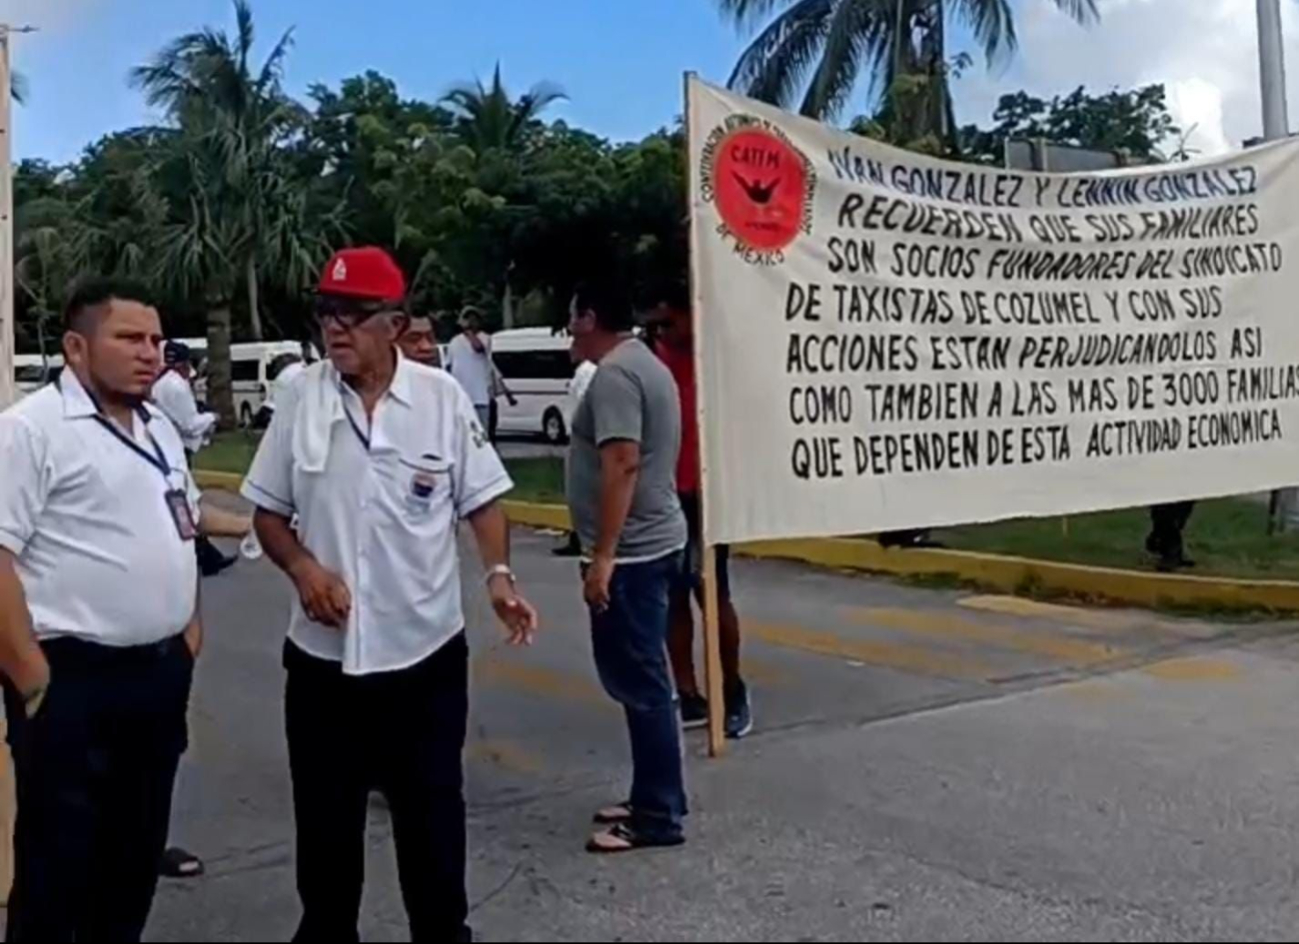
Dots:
(928, 766)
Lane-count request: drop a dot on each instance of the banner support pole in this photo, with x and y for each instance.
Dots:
(711, 593)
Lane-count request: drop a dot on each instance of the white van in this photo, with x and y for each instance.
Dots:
(32, 371)
(250, 371)
(538, 369)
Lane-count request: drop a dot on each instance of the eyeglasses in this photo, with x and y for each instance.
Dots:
(348, 313)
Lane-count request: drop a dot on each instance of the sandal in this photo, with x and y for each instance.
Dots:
(177, 863)
(613, 815)
(622, 838)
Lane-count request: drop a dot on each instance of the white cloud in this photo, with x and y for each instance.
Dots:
(1204, 51)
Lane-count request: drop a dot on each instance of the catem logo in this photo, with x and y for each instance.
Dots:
(762, 186)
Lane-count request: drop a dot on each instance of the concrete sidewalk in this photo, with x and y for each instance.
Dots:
(928, 766)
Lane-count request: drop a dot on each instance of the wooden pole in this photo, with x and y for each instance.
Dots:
(713, 656)
(712, 606)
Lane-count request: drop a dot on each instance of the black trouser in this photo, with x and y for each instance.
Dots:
(1167, 524)
(402, 733)
(95, 771)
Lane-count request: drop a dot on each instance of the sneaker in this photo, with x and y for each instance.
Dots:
(694, 712)
(739, 714)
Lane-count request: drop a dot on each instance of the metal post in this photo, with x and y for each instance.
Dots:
(1276, 125)
(1271, 60)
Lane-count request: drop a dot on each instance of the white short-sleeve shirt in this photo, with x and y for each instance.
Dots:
(384, 518)
(99, 554)
(173, 395)
(472, 369)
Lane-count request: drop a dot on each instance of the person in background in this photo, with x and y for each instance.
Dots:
(469, 359)
(577, 387)
(1166, 542)
(623, 496)
(419, 342)
(674, 329)
(281, 372)
(99, 624)
(173, 394)
(380, 459)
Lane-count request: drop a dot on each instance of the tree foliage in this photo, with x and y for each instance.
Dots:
(1135, 123)
(813, 54)
(229, 208)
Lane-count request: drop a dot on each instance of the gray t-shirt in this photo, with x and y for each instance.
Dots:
(632, 398)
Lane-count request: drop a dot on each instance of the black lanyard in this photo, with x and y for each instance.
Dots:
(158, 460)
(356, 428)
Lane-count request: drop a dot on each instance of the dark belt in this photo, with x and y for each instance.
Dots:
(67, 649)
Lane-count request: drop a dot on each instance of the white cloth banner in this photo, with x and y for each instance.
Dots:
(888, 341)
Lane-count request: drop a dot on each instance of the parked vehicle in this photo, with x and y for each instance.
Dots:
(250, 371)
(536, 366)
(33, 371)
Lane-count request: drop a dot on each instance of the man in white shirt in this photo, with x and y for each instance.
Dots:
(419, 342)
(99, 625)
(380, 459)
(469, 359)
(173, 394)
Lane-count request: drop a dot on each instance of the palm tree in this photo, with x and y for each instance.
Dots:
(490, 118)
(234, 117)
(817, 50)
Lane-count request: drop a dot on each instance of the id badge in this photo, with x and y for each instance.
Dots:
(178, 505)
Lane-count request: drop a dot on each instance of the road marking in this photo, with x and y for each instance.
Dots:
(1110, 620)
(914, 659)
(942, 624)
(1194, 670)
(536, 680)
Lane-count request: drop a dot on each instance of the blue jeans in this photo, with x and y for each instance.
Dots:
(630, 644)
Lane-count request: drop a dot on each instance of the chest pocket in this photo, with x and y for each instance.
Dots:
(420, 488)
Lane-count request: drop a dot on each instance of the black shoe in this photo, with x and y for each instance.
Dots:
(215, 566)
(739, 713)
(572, 548)
(694, 712)
(177, 863)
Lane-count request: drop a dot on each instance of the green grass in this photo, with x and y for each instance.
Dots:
(536, 480)
(229, 452)
(1227, 537)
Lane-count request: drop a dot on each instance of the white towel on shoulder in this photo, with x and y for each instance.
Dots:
(319, 409)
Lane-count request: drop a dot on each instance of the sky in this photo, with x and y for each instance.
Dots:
(620, 61)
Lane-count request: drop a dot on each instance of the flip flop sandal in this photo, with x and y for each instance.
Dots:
(613, 815)
(177, 863)
(622, 838)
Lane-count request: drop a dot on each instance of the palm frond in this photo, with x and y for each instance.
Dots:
(774, 66)
(1083, 11)
(859, 31)
(748, 14)
(993, 24)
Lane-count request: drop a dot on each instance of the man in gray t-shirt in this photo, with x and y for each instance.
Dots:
(632, 399)
(623, 496)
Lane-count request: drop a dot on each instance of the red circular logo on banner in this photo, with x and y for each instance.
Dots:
(760, 183)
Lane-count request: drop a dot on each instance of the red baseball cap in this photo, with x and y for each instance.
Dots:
(367, 273)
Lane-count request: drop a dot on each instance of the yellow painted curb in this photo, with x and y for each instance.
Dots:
(1005, 574)
(221, 481)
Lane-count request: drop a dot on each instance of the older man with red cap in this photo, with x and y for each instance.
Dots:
(379, 459)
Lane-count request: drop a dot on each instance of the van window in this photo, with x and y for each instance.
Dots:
(534, 365)
(29, 374)
(246, 371)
